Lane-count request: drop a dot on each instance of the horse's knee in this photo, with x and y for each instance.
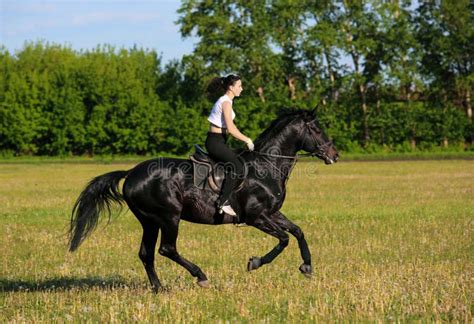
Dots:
(167, 251)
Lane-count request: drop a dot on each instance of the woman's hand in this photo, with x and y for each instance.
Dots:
(250, 144)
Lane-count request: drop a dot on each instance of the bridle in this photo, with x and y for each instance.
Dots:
(319, 152)
(320, 148)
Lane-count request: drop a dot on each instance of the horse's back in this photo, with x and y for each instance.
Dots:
(156, 183)
(160, 167)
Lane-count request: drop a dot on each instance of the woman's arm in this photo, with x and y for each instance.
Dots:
(233, 130)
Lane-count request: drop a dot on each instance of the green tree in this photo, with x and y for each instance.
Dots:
(362, 41)
(233, 37)
(445, 30)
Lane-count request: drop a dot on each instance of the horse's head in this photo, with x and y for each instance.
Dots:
(296, 130)
(315, 141)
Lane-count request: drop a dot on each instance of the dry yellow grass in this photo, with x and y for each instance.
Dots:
(390, 240)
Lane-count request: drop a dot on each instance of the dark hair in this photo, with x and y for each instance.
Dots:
(221, 84)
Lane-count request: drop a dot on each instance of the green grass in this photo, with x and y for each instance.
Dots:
(408, 156)
(346, 156)
(389, 240)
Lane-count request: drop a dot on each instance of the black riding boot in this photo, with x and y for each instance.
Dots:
(228, 187)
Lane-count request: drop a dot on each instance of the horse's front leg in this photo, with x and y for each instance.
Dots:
(268, 226)
(296, 231)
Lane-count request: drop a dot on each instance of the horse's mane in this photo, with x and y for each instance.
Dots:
(285, 116)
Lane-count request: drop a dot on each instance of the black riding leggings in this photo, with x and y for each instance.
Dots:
(234, 168)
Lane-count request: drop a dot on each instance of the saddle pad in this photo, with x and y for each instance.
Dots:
(201, 173)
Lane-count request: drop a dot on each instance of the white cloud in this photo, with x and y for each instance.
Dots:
(28, 27)
(15, 7)
(65, 20)
(103, 16)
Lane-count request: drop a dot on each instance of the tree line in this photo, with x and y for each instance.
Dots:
(385, 75)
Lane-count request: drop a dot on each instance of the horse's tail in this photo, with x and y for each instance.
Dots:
(96, 197)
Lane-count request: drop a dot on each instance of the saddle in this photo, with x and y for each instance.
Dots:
(208, 174)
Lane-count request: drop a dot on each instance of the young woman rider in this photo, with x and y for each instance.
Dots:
(221, 124)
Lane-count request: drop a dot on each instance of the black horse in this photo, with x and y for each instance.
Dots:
(160, 192)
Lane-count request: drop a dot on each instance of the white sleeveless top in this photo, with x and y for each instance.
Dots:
(217, 116)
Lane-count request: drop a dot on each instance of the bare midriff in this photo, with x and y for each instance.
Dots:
(216, 129)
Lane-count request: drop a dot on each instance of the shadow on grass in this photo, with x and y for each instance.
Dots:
(66, 283)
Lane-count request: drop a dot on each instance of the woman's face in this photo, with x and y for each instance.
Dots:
(236, 88)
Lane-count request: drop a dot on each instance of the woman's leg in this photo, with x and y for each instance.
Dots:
(234, 174)
(219, 151)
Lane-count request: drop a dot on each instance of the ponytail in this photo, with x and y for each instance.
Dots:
(218, 85)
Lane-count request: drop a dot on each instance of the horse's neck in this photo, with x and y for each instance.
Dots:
(282, 144)
(285, 146)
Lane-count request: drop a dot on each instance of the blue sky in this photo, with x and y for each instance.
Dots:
(83, 24)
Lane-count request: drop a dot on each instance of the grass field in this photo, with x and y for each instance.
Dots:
(389, 240)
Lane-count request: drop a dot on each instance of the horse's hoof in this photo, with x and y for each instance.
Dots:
(306, 270)
(254, 263)
(204, 283)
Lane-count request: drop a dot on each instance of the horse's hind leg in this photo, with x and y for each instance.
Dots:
(169, 235)
(148, 245)
(147, 252)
